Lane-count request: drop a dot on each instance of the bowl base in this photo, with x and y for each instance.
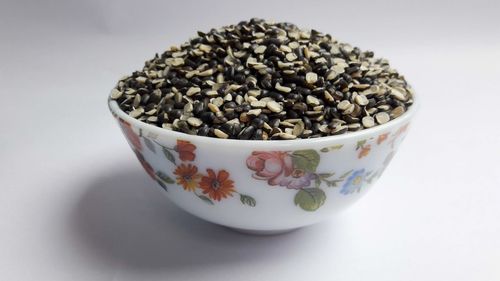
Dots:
(262, 232)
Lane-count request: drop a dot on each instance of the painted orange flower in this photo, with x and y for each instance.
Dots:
(187, 176)
(382, 138)
(365, 150)
(147, 167)
(403, 128)
(185, 150)
(398, 133)
(132, 137)
(217, 186)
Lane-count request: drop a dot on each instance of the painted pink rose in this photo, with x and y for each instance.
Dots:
(277, 168)
(270, 165)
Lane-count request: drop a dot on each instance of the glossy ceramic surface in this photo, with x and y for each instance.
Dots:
(263, 186)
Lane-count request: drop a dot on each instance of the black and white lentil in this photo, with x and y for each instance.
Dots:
(259, 80)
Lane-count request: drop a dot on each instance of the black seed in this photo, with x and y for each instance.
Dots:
(203, 130)
(179, 105)
(236, 130)
(266, 84)
(318, 92)
(274, 41)
(365, 80)
(207, 116)
(341, 83)
(292, 114)
(257, 123)
(243, 108)
(230, 115)
(347, 78)
(190, 63)
(196, 80)
(229, 73)
(158, 93)
(220, 120)
(179, 83)
(184, 127)
(168, 107)
(274, 123)
(295, 79)
(227, 128)
(307, 122)
(175, 113)
(244, 88)
(239, 78)
(263, 117)
(257, 135)
(315, 127)
(303, 91)
(276, 96)
(198, 108)
(246, 133)
(229, 105)
(294, 97)
(212, 63)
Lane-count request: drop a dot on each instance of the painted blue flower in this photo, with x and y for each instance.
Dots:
(354, 182)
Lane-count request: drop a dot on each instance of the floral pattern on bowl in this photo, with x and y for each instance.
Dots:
(215, 185)
(263, 186)
(293, 170)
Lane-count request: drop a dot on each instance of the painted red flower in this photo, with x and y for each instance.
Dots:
(364, 151)
(382, 138)
(133, 139)
(217, 186)
(187, 176)
(185, 150)
(147, 167)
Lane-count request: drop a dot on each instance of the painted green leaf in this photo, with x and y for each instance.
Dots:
(169, 155)
(336, 147)
(370, 178)
(247, 200)
(360, 144)
(317, 182)
(325, 175)
(332, 183)
(150, 144)
(164, 177)
(206, 199)
(331, 148)
(163, 185)
(306, 160)
(310, 199)
(344, 175)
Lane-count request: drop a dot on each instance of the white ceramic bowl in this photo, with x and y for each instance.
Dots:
(263, 186)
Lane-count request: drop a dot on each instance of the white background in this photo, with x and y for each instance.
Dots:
(75, 204)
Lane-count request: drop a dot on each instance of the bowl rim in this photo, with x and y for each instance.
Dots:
(256, 144)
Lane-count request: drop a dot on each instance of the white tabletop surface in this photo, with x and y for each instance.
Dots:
(75, 204)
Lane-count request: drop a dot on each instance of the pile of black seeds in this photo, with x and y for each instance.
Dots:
(259, 80)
